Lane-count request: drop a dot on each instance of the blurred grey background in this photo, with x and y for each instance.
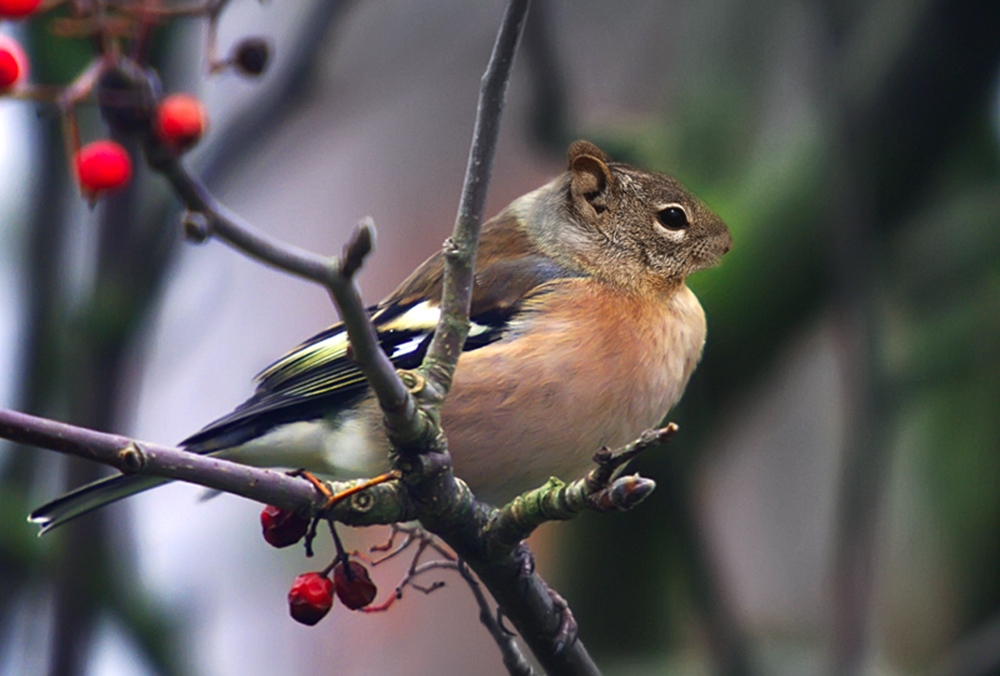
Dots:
(832, 503)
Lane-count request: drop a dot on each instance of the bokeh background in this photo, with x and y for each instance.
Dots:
(832, 503)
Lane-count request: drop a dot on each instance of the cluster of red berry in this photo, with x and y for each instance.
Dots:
(178, 122)
(311, 595)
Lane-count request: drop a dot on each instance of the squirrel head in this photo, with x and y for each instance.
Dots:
(629, 226)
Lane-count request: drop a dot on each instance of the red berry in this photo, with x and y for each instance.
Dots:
(180, 121)
(13, 63)
(282, 527)
(103, 165)
(354, 588)
(15, 9)
(310, 598)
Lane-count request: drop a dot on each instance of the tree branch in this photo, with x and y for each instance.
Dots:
(512, 657)
(505, 567)
(460, 248)
(601, 490)
(133, 457)
(337, 275)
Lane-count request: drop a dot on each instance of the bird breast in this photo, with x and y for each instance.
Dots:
(595, 368)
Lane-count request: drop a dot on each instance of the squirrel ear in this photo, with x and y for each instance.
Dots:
(581, 147)
(591, 177)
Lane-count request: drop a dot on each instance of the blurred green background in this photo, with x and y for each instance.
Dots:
(832, 503)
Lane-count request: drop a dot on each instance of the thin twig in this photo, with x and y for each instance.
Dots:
(611, 463)
(133, 457)
(513, 659)
(393, 552)
(600, 490)
(408, 581)
(413, 534)
(460, 249)
(331, 272)
(523, 595)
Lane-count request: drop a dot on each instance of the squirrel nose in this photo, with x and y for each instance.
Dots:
(726, 240)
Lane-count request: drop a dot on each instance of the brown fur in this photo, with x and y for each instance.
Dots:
(502, 243)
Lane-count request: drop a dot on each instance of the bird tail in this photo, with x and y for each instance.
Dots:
(90, 497)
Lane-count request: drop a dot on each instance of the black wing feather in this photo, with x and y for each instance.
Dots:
(318, 377)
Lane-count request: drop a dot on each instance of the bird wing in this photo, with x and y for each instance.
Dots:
(319, 377)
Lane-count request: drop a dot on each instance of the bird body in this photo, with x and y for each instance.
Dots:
(583, 334)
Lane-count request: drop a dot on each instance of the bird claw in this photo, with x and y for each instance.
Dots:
(526, 559)
(568, 628)
(333, 498)
(317, 484)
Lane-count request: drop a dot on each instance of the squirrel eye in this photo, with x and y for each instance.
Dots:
(673, 218)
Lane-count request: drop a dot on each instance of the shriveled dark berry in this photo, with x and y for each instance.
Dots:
(252, 56)
(282, 527)
(126, 95)
(353, 586)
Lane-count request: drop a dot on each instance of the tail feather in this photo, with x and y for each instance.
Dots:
(90, 497)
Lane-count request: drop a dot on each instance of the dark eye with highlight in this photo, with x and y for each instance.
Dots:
(673, 218)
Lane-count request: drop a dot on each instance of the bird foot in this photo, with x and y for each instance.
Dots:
(333, 498)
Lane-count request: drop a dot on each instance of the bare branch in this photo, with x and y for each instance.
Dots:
(513, 659)
(238, 232)
(365, 504)
(600, 490)
(132, 457)
(335, 274)
(409, 580)
(610, 463)
(460, 249)
(357, 248)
